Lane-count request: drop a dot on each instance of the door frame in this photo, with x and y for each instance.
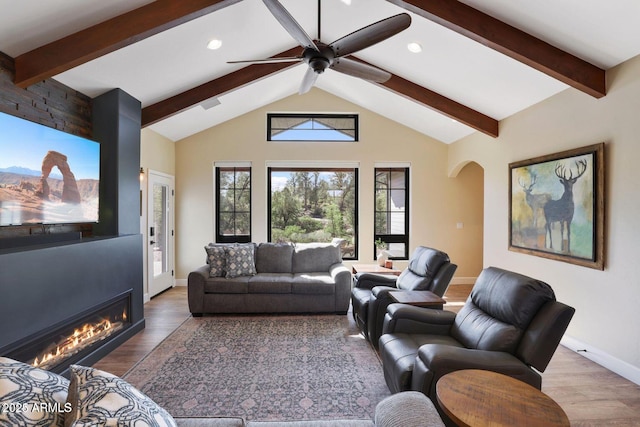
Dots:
(169, 180)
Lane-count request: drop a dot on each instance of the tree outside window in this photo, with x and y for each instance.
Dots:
(314, 205)
(233, 202)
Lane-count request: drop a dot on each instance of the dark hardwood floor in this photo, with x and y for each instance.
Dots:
(590, 394)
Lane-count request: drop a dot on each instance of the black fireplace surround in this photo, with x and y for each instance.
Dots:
(47, 284)
(55, 348)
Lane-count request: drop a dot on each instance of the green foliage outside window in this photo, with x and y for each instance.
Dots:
(313, 205)
(234, 204)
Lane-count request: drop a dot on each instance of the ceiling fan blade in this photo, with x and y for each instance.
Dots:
(290, 24)
(358, 69)
(268, 60)
(371, 34)
(308, 81)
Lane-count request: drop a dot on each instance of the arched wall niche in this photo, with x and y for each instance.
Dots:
(467, 204)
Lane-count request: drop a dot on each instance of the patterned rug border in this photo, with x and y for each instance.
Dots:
(135, 365)
(288, 367)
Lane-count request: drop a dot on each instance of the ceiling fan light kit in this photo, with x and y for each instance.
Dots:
(320, 56)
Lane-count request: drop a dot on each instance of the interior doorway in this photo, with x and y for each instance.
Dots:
(160, 232)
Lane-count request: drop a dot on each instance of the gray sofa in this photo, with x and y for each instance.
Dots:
(274, 278)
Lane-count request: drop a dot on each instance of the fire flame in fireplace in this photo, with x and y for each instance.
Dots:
(81, 338)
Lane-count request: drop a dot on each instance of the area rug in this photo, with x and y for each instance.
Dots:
(268, 368)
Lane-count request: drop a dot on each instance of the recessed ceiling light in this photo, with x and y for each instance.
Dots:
(214, 44)
(347, 2)
(414, 47)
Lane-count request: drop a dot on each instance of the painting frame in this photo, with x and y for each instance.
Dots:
(566, 191)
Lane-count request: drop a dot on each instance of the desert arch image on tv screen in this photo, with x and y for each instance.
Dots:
(46, 176)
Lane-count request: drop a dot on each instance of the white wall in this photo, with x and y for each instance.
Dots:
(606, 302)
(437, 201)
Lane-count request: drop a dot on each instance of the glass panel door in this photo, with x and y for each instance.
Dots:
(160, 233)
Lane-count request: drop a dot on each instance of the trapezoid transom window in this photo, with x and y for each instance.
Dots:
(312, 127)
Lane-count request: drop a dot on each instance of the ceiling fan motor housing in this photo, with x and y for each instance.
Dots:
(319, 56)
(320, 59)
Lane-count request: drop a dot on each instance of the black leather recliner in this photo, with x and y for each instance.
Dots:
(428, 270)
(510, 324)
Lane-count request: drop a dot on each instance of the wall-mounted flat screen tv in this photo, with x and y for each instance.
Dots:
(46, 176)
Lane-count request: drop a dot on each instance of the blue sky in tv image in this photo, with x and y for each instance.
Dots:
(24, 144)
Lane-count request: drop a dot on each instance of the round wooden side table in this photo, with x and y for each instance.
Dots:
(476, 398)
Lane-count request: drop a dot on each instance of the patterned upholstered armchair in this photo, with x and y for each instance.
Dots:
(429, 270)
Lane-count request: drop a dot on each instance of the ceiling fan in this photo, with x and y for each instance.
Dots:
(320, 56)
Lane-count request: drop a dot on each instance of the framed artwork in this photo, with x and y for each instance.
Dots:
(556, 206)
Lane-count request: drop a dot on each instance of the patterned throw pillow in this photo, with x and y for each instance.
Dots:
(241, 260)
(216, 258)
(30, 396)
(101, 399)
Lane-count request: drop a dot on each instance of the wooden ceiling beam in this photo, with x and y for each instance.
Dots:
(443, 105)
(237, 79)
(108, 36)
(448, 107)
(227, 83)
(512, 42)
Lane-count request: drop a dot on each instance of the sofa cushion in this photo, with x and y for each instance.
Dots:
(240, 260)
(314, 257)
(216, 258)
(26, 388)
(100, 398)
(270, 283)
(410, 408)
(313, 283)
(274, 258)
(222, 285)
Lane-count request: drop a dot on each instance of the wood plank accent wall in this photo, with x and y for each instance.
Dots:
(52, 104)
(48, 102)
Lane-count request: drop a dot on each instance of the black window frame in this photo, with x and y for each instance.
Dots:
(312, 116)
(388, 237)
(235, 238)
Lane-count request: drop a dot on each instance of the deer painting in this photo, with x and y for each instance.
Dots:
(561, 210)
(535, 201)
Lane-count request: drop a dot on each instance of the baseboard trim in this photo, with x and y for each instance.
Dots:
(463, 280)
(620, 367)
(146, 298)
(181, 282)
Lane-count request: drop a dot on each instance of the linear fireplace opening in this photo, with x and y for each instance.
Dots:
(55, 348)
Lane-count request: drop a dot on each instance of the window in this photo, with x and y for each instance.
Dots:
(312, 127)
(314, 205)
(392, 210)
(233, 204)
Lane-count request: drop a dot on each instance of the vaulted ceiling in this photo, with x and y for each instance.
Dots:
(481, 60)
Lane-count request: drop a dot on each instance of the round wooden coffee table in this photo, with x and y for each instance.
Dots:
(479, 398)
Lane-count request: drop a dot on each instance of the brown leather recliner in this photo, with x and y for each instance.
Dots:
(510, 324)
(429, 270)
